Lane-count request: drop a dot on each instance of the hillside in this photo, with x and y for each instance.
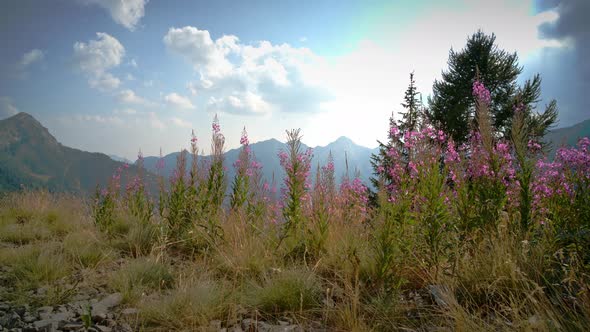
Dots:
(568, 135)
(30, 156)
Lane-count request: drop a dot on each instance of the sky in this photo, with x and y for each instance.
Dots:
(117, 76)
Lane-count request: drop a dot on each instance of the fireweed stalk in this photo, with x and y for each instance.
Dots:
(323, 205)
(248, 190)
(216, 183)
(139, 202)
(295, 191)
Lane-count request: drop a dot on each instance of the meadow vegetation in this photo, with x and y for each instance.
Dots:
(484, 235)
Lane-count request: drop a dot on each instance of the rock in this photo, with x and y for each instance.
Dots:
(248, 324)
(44, 312)
(111, 301)
(103, 328)
(236, 328)
(215, 325)
(28, 318)
(45, 325)
(263, 327)
(100, 309)
(132, 312)
(20, 310)
(72, 326)
(99, 316)
(286, 328)
(437, 292)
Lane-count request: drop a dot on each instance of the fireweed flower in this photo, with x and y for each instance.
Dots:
(481, 92)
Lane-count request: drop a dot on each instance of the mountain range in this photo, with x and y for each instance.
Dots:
(344, 151)
(30, 156)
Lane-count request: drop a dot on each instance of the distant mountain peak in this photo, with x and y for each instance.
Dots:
(343, 140)
(23, 126)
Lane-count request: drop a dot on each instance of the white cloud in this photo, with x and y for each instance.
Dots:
(179, 102)
(241, 104)
(133, 63)
(129, 97)
(248, 79)
(124, 12)
(155, 121)
(127, 111)
(108, 119)
(7, 108)
(31, 57)
(96, 57)
(104, 82)
(181, 123)
(192, 88)
(198, 48)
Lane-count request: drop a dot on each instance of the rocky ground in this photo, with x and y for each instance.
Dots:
(105, 315)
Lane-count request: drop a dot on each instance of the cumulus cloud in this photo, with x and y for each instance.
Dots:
(34, 55)
(124, 12)
(180, 122)
(244, 103)
(179, 102)
(129, 97)
(248, 78)
(104, 82)
(198, 48)
(7, 108)
(192, 88)
(96, 57)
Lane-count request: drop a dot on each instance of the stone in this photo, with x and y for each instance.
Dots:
(129, 312)
(72, 326)
(437, 292)
(45, 325)
(45, 312)
(286, 328)
(263, 327)
(103, 328)
(236, 328)
(28, 318)
(215, 325)
(111, 301)
(248, 324)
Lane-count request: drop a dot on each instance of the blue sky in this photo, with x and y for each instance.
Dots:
(117, 76)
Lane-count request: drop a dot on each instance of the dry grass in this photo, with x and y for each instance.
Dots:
(496, 281)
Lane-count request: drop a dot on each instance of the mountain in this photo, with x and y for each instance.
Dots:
(120, 159)
(32, 157)
(568, 136)
(343, 150)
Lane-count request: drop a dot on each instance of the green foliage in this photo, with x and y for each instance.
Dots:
(141, 275)
(452, 105)
(390, 242)
(103, 210)
(412, 118)
(290, 291)
(189, 307)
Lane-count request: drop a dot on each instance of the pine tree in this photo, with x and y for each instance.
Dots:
(411, 118)
(452, 105)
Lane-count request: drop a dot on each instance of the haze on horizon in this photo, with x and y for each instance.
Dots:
(115, 77)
